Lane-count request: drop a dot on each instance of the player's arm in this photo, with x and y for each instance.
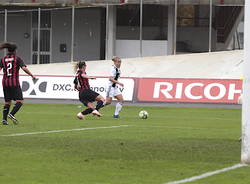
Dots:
(116, 81)
(21, 64)
(26, 70)
(112, 77)
(76, 84)
(87, 77)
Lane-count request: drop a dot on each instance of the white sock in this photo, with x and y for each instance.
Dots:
(118, 108)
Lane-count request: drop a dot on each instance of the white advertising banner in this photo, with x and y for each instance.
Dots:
(62, 87)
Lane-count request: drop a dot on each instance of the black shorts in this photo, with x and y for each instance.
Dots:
(12, 93)
(87, 95)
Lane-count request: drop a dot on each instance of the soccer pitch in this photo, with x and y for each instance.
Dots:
(51, 146)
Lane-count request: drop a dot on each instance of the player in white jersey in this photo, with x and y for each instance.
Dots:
(114, 86)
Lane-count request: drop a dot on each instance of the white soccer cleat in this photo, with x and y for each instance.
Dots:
(80, 116)
(96, 113)
(14, 120)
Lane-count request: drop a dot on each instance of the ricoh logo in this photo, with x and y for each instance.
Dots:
(195, 91)
(34, 87)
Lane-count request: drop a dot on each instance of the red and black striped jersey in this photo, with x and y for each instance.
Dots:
(11, 65)
(81, 82)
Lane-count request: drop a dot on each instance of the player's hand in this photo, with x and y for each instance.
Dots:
(121, 84)
(77, 88)
(92, 77)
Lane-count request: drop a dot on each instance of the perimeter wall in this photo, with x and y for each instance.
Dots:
(195, 78)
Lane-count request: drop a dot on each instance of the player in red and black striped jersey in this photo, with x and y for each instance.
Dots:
(86, 95)
(11, 64)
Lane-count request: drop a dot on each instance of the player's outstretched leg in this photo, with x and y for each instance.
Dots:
(81, 115)
(96, 113)
(100, 104)
(15, 109)
(6, 109)
(118, 106)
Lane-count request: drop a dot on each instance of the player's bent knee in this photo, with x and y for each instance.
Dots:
(121, 101)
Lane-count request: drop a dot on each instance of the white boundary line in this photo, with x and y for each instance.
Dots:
(177, 127)
(169, 127)
(58, 131)
(207, 174)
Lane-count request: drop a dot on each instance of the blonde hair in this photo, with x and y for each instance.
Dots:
(114, 58)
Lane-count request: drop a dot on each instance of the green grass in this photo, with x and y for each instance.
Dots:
(172, 144)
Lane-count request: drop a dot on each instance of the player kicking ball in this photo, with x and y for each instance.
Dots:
(114, 86)
(11, 86)
(86, 95)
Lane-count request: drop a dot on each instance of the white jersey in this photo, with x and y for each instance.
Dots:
(113, 89)
(115, 74)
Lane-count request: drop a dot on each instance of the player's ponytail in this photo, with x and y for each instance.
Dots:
(7, 45)
(78, 65)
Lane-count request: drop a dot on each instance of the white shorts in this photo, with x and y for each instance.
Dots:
(113, 91)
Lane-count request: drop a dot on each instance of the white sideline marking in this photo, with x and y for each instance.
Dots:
(170, 127)
(207, 174)
(57, 131)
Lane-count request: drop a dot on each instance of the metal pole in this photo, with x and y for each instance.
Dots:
(238, 40)
(107, 33)
(175, 25)
(72, 34)
(245, 147)
(210, 25)
(141, 18)
(38, 35)
(5, 27)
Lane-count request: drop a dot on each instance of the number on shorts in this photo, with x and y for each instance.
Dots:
(9, 67)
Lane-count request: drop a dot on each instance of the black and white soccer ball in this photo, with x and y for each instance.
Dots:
(143, 114)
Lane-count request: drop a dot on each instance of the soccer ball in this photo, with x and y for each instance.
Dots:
(143, 114)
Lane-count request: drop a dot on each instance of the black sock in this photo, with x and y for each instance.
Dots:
(16, 108)
(6, 109)
(87, 111)
(99, 105)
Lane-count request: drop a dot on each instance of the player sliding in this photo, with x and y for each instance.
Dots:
(11, 64)
(86, 95)
(114, 86)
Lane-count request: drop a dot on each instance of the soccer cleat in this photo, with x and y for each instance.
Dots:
(5, 122)
(96, 113)
(80, 116)
(14, 120)
(116, 116)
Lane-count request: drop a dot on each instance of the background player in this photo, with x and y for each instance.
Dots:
(113, 86)
(11, 86)
(86, 95)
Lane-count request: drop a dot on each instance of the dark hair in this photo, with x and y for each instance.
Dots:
(79, 65)
(7, 45)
